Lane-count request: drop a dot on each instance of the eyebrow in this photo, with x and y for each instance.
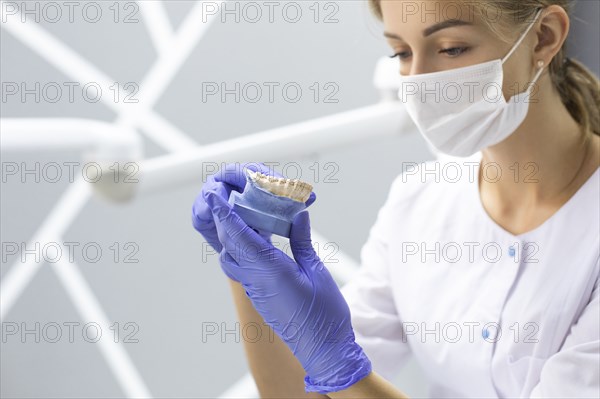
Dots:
(449, 23)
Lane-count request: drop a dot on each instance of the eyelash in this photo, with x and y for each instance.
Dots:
(399, 55)
(448, 50)
(402, 55)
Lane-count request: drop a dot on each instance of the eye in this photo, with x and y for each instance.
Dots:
(401, 55)
(455, 51)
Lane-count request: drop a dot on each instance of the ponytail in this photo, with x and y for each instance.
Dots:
(579, 91)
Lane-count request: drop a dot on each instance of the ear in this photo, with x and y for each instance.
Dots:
(552, 31)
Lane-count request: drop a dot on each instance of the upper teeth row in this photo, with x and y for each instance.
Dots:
(292, 188)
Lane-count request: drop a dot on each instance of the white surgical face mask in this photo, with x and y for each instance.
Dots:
(461, 111)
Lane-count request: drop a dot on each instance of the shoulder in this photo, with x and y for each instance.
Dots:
(438, 181)
(427, 196)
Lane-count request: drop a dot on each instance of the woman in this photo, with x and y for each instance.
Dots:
(491, 282)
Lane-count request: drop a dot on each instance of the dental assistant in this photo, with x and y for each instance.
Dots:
(490, 282)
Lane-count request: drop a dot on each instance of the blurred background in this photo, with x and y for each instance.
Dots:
(127, 314)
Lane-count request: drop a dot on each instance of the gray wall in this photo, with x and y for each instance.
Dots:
(171, 291)
(582, 43)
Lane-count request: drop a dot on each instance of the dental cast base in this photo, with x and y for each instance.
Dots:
(269, 203)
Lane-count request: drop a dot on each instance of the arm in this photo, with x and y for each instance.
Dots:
(286, 293)
(574, 371)
(372, 386)
(278, 374)
(296, 297)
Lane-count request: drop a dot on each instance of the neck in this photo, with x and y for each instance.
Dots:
(541, 159)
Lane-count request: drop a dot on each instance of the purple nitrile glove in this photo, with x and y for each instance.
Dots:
(230, 177)
(297, 297)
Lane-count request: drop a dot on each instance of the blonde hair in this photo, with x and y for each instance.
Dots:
(578, 87)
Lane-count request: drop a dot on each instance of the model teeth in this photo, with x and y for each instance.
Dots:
(290, 188)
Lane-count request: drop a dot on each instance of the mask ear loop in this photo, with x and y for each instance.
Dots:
(540, 65)
(512, 50)
(527, 92)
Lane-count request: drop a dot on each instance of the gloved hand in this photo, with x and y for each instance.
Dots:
(230, 177)
(298, 299)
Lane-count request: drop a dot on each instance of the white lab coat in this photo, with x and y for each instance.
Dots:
(491, 321)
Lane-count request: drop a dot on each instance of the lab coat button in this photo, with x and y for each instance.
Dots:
(511, 251)
(490, 334)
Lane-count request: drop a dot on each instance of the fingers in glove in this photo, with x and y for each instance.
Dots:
(241, 242)
(230, 267)
(202, 217)
(301, 243)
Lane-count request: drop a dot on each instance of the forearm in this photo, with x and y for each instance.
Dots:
(278, 374)
(372, 386)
